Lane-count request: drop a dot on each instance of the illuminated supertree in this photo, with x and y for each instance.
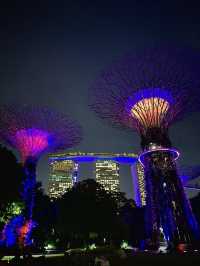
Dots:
(189, 173)
(148, 91)
(33, 131)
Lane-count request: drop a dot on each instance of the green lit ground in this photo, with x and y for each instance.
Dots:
(130, 260)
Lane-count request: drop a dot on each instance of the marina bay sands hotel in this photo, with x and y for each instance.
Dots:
(65, 172)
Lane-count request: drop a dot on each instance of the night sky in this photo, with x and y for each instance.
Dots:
(52, 51)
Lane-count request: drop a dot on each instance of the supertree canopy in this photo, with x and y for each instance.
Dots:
(148, 91)
(33, 131)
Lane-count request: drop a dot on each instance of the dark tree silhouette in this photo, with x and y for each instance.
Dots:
(133, 217)
(87, 211)
(44, 214)
(11, 178)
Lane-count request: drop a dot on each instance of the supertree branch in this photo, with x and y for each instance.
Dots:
(148, 89)
(33, 130)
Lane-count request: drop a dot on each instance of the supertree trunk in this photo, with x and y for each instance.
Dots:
(28, 196)
(167, 205)
(29, 186)
(18, 230)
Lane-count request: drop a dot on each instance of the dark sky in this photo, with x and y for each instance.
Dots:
(51, 52)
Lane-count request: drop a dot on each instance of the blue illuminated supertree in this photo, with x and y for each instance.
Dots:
(189, 173)
(33, 131)
(148, 91)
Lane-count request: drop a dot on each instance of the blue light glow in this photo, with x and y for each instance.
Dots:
(184, 178)
(85, 159)
(146, 94)
(175, 154)
(10, 231)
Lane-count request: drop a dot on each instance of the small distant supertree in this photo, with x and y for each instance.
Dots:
(33, 131)
(189, 173)
(148, 91)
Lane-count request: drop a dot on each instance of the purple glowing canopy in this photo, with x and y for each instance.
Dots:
(32, 130)
(168, 73)
(32, 141)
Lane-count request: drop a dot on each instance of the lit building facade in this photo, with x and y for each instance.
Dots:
(63, 175)
(141, 183)
(137, 172)
(65, 169)
(107, 174)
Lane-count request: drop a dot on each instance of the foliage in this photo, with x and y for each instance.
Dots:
(11, 209)
(133, 217)
(12, 176)
(44, 216)
(88, 212)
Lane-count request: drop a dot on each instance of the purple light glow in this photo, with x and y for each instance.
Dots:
(31, 142)
(175, 154)
(33, 130)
